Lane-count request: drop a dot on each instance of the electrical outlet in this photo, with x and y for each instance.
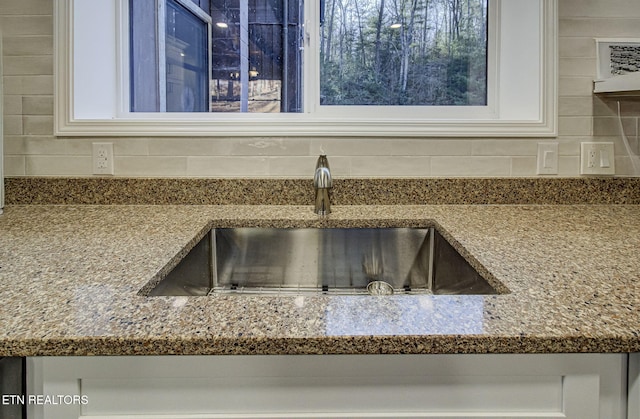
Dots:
(102, 158)
(548, 158)
(597, 159)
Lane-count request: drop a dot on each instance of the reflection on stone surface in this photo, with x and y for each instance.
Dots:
(405, 315)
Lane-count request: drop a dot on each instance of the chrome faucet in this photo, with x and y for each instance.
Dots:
(322, 182)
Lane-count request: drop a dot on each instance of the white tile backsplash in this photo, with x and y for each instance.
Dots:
(58, 165)
(37, 105)
(505, 147)
(523, 166)
(444, 166)
(575, 86)
(228, 166)
(391, 166)
(32, 150)
(152, 166)
(28, 65)
(598, 8)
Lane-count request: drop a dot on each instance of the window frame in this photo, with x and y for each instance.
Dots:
(110, 115)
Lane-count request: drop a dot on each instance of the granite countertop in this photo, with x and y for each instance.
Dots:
(70, 278)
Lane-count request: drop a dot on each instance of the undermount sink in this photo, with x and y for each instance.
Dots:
(255, 260)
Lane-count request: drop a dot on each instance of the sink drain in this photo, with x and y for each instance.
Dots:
(379, 288)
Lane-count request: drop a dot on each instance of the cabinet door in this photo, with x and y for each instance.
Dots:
(575, 386)
(634, 386)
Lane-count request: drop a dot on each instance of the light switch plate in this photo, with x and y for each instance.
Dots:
(597, 158)
(547, 158)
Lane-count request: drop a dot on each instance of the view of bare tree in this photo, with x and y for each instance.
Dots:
(404, 52)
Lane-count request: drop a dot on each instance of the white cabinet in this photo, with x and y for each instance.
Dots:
(634, 386)
(578, 386)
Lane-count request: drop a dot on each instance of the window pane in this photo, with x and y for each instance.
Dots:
(186, 54)
(256, 59)
(169, 64)
(403, 52)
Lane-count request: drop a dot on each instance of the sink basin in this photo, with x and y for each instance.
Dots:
(256, 260)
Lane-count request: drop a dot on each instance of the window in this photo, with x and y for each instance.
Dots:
(170, 68)
(319, 67)
(255, 58)
(403, 52)
(373, 52)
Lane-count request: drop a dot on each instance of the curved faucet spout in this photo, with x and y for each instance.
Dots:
(322, 178)
(322, 183)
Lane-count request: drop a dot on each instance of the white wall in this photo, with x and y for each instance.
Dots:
(32, 150)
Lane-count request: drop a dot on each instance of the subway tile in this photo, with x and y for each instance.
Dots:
(27, 25)
(610, 126)
(28, 85)
(575, 106)
(626, 167)
(263, 146)
(629, 106)
(81, 146)
(58, 165)
(37, 125)
(599, 28)
(154, 166)
(227, 166)
(304, 166)
(176, 146)
(523, 166)
(430, 147)
(568, 166)
(123, 146)
(36, 65)
(14, 144)
(575, 125)
(50, 144)
(505, 147)
(37, 105)
(575, 86)
(598, 9)
(14, 165)
(581, 67)
(603, 106)
(12, 125)
(12, 85)
(570, 145)
(27, 45)
(391, 166)
(26, 7)
(12, 105)
(470, 166)
(578, 47)
(351, 146)
(43, 145)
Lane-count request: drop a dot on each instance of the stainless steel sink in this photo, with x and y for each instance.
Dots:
(322, 260)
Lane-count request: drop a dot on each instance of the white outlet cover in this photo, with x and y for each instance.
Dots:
(102, 158)
(602, 159)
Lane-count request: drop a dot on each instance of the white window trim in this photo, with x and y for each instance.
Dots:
(99, 110)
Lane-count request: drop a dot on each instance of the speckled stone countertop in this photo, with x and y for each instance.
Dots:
(70, 278)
